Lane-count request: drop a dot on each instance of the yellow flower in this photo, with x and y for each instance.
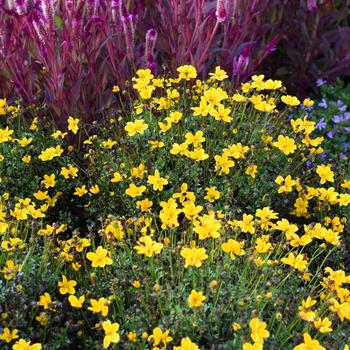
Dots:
(109, 143)
(221, 114)
(70, 172)
(111, 333)
(132, 336)
(138, 172)
(212, 194)
(8, 335)
(169, 213)
(296, 261)
(236, 151)
(187, 72)
(323, 325)
(191, 210)
(136, 127)
(136, 284)
(309, 344)
(115, 228)
(5, 134)
(194, 139)
(219, 74)
(58, 134)
(251, 171)
(116, 177)
(42, 318)
(157, 181)
(26, 159)
(80, 191)
(286, 184)
(194, 256)
(160, 338)
(116, 89)
(346, 184)
(195, 299)
(255, 346)
(25, 345)
(99, 306)
(235, 248)
(186, 344)
(285, 144)
(73, 124)
(67, 286)
(144, 205)
(10, 270)
(50, 153)
(94, 189)
(148, 247)
(258, 330)
(134, 191)
(24, 142)
(223, 164)
(236, 326)
(325, 173)
(76, 302)
(100, 258)
(290, 100)
(247, 224)
(308, 103)
(45, 300)
(179, 148)
(207, 227)
(49, 181)
(262, 244)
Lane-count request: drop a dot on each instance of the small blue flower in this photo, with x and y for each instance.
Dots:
(337, 119)
(321, 124)
(320, 82)
(331, 133)
(323, 103)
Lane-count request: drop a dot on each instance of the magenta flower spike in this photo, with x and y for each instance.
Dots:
(220, 11)
(48, 9)
(129, 32)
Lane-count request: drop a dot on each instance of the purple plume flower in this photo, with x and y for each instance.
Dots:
(312, 5)
(240, 64)
(220, 11)
(39, 26)
(151, 37)
(116, 9)
(230, 8)
(129, 33)
(48, 9)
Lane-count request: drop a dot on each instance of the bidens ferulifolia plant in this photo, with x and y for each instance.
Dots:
(193, 223)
